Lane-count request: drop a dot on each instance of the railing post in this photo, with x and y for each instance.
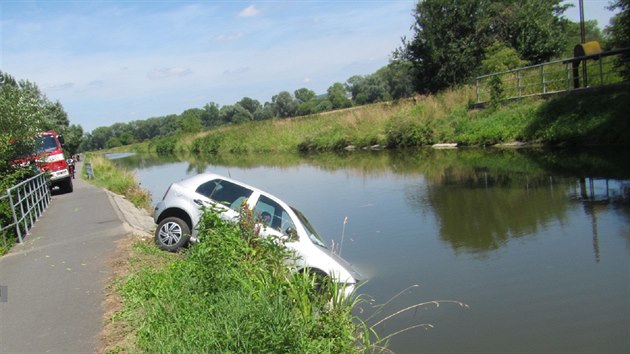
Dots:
(15, 220)
(38, 193)
(477, 85)
(23, 214)
(518, 83)
(41, 197)
(568, 70)
(29, 203)
(585, 73)
(542, 78)
(42, 181)
(601, 71)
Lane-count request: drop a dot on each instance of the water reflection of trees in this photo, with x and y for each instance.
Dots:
(484, 216)
(144, 160)
(483, 198)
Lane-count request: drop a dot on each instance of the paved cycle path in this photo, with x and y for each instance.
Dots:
(55, 280)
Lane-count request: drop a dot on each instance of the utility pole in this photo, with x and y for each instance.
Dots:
(582, 41)
(582, 29)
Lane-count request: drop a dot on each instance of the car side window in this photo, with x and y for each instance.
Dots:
(224, 192)
(271, 214)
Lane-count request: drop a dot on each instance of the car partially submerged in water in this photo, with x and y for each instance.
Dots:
(178, 213)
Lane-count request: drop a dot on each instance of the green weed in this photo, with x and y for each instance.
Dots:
(116, 179)
(234, 293)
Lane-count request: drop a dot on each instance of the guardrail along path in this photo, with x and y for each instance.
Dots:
(54, 281)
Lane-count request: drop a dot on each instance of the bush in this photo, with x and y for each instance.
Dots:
(166, 146)
(405, 131)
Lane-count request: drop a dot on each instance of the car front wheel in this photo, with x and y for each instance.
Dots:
(172, 234)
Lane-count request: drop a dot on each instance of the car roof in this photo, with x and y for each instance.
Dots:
(195, 181)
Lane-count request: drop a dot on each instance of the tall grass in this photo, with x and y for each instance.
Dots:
(233, 293)
(594, 117)
(359, 127)
(116, 179)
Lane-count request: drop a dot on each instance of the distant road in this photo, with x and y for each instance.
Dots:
(55, 280)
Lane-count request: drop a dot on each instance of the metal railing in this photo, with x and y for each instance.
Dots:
(556, 76)
(27, 201)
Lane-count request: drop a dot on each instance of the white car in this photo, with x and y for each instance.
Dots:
(179, 211)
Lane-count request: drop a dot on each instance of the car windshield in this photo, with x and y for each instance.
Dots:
(310, 230)
(45, 143)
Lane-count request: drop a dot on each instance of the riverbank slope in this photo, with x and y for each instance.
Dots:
(585, 118)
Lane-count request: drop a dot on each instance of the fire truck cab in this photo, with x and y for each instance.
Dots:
(49, 157)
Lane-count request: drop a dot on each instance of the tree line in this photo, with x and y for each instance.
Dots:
(388, 83)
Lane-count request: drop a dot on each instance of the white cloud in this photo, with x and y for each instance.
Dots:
(167, 72)
(249, 11)
(306, 80)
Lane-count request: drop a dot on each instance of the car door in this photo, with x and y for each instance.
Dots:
(273, 219)
(226, 196)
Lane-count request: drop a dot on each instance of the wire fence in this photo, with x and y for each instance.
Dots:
(557, 76)
(27, 201)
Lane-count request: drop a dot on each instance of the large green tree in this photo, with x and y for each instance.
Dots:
(368, 89)
(190, 120)
(235, 114)
(619, 30)
(284, 104)
(337, 96)
(250, 104)
(21, 118)
(536, 29)
(447, 44)
(55, 117)
(73, 137)
(619, 33)
(451, 36)
(210, 116)
(304, 95)
(399, 78)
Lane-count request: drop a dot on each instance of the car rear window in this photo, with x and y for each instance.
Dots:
(224, 192)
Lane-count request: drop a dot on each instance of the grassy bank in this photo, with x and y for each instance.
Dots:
(595, 117)
(230, 293)
(120, 181)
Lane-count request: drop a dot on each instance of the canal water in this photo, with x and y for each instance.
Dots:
(534, 244)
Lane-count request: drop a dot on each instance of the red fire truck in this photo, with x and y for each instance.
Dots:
(49, 158)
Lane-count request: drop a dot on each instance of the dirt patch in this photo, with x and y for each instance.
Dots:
(115, 336)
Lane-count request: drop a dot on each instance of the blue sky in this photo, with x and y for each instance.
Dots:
(117, 61)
